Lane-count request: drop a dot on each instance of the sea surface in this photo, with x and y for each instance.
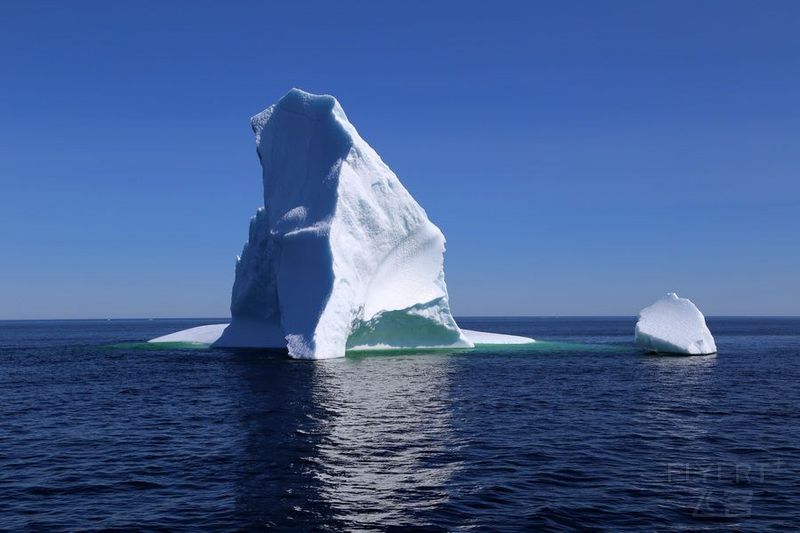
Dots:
(579, 431)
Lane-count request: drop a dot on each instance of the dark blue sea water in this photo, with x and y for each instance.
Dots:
(578, 431)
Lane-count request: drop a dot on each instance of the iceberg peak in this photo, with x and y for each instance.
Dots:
(314, 106)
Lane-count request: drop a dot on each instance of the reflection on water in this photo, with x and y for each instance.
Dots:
(673, 362)
(275, 483)
(385, 435)
(687, 379)
(358, 438)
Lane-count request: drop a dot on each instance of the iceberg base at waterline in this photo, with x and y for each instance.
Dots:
(210, 334)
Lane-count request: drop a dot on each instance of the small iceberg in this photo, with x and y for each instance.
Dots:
(674, 325)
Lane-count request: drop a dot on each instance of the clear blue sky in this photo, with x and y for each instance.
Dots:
(581, 157)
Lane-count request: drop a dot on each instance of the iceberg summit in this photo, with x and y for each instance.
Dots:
(340, 257)
(674, 325)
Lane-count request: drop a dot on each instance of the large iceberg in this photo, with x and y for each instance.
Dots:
(674, 325)
(341, 256)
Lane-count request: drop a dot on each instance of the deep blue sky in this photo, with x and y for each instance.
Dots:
(580, 157)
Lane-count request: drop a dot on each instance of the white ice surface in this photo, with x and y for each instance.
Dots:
(674, 325)
(199, 335)
(341, 252)
(483, 337)
(211, 333)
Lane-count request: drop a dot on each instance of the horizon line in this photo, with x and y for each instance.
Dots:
(228, 319)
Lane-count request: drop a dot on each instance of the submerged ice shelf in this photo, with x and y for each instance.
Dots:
(674, 325)
(340, 257)
(208, 335)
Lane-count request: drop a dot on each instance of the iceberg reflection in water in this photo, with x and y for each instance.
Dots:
(365, 435)
(385, 438)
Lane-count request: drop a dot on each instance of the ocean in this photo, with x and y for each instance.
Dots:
(579, 431)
